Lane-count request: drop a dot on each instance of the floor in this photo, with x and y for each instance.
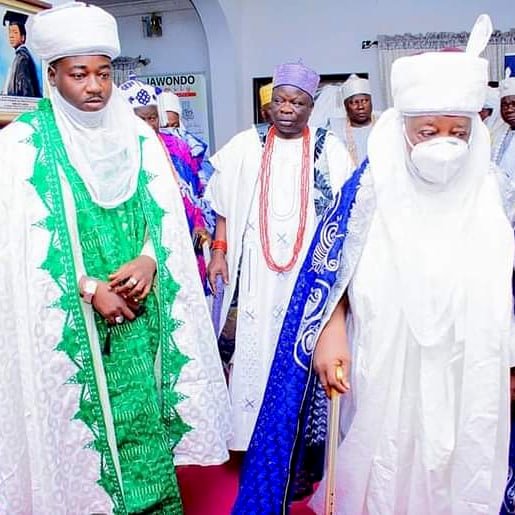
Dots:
(212, 490)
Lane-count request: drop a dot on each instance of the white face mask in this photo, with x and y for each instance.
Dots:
(438, 160)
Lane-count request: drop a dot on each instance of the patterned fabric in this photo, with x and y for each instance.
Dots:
(323, 197)
(146, 428)
(198, 212)
(138, 94)
(323, 194)
(289, 426)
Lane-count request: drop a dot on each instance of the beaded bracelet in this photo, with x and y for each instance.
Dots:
(219, 245)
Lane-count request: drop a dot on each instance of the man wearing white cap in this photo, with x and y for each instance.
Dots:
(105, 382)
(347, 111)
(420, 261)
(503, 149)
(269, 190)
(144, 100)
(170, 115)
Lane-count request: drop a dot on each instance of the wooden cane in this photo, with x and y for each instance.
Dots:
(334, 426)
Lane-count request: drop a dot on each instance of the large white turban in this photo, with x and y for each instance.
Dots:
(507, 86)
(445, 82)
(73, 29)
(355, 85)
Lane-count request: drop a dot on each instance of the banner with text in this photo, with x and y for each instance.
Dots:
(192, 92)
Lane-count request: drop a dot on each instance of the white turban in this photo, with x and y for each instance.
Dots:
(170, 102)
(355, 85)
(73, 29)
(507, 86)
(138, 94)
(445, 82)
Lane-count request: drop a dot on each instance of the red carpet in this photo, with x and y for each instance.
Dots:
(212, 490)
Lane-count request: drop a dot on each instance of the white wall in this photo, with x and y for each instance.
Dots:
(236, 40)
(182, 48)
(327, 34)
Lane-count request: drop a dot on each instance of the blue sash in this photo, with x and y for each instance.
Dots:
(291, 423)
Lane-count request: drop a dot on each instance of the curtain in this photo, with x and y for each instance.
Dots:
(392, 47)
(122, 66)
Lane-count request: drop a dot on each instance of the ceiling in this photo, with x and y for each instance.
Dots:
(154, 5)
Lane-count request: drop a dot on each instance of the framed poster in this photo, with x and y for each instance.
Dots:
(21, 80)
(330, 78)
(191, 88)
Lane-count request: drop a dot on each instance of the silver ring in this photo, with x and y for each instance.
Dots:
(119, 319)
(132, 281)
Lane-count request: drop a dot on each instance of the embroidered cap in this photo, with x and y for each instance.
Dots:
(297, 75)
(138, 94)
(355, 85)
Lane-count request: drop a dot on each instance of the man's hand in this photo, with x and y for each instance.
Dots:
(110, 305)
(330, 354)
(134, 279)
(217, 266)
(332, 351)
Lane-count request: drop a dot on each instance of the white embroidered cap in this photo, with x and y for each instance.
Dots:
(507, 86)
(73, 29)
(355, 85)
(137, 93)
(445, 81)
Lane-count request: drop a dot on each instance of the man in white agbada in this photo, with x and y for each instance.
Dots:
(269, 190)
(503, 148)
(105, 382)
(431, 305)
(347, 110)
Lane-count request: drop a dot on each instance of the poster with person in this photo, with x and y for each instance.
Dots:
(21, 81)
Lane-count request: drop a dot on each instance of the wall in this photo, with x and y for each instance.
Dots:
(236, 40)
(182, 48)
(327, 34)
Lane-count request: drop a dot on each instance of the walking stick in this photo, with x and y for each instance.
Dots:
(334, 426)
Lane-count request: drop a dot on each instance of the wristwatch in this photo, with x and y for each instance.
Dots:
(88, 288)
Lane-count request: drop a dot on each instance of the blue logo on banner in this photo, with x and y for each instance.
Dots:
(509, 62)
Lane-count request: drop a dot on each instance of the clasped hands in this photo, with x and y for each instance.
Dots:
(120, 298)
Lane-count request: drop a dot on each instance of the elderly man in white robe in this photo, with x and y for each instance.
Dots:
(431, 344)
(106, 382)
(269, 190)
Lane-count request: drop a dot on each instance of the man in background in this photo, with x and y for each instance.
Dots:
(22, 79)
(503, 148)
(144, 100)
(347, 110)
(170, 117)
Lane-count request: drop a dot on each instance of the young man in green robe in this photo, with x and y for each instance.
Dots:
(109, 373)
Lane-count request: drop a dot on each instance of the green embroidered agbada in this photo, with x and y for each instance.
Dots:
(90, 429)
